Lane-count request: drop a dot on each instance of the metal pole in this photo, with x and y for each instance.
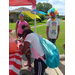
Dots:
(35, 21)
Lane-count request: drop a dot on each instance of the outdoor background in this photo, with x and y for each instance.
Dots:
(41, 30)
(44, 5)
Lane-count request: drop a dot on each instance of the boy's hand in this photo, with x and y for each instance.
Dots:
(48, 38)
(57, 37)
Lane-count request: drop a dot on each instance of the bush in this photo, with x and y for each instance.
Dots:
(28, 19)
(11, 20)
(41, 16)
(63, 18)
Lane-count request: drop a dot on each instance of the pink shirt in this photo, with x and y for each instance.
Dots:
(20, 30)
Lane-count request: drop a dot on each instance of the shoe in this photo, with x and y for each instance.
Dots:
(29, 69)
(26, 64)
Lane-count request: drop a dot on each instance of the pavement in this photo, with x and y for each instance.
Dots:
(57, 71)
(38, 25)
(61, 68)
(62, 57)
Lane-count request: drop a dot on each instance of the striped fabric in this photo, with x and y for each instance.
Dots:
(39, 68)
(15, 63)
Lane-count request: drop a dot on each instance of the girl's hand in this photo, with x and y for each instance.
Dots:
(17, 35)
(28, 26)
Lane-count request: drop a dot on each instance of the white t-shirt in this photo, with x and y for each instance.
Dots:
(53, 28)
(35, 42)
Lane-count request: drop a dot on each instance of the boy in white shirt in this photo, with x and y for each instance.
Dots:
(53, 28)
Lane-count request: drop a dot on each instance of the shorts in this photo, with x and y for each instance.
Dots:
(52, 40)
(39, 67)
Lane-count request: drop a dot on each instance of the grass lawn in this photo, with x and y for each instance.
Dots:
(13, 25)
(42, 31)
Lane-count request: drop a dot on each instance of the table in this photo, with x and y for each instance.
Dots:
(15, 62)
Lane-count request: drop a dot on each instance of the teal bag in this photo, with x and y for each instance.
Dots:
(51, 52)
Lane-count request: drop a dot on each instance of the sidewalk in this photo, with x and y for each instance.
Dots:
(60, 70)
(38, 25)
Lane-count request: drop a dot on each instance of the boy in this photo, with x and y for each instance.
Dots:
(53, 28)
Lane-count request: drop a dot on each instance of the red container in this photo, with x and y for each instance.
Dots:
(12, 45)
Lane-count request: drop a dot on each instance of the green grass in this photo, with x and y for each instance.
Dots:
(42, 31)
(61, 40)
(56, 71)
(13, 25)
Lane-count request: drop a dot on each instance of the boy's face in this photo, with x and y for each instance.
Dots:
(21, 18)
(52, 14)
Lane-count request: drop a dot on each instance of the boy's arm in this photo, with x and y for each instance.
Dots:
(47, 32)
(58, 28)
(47, 29)
(58, 31)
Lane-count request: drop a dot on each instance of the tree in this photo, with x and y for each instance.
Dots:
(43, 7)
(41, 16)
